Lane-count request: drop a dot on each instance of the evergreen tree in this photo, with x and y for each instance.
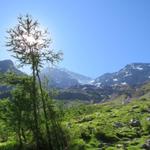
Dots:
(30, 44)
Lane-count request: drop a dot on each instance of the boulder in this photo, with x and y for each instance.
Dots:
(118, 124)
(146, 145)
(135, 106)
(148, 118)
(135, 123)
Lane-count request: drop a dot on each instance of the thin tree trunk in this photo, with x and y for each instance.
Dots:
(23, 135)
(45, 113)
(19, 130)
(59, 134)
(36, 131)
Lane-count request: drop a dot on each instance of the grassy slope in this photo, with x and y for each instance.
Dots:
(93, 126)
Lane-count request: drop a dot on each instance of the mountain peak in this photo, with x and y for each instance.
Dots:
(132, 74)
(135, 64)
(63, 78)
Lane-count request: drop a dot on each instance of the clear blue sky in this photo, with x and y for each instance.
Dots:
(96, 36)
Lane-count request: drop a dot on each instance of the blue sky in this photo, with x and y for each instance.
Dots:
(96, 36)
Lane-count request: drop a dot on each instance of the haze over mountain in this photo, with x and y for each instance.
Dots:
(63, 78)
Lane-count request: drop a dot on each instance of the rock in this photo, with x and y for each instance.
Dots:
(86, 119)
(119, 146)
(148, 118)
(113, 115)
(135, 123)
(146, 110)
(146, 145)
(135, 106)
(127, 100)
(118, 124)
(69, 125)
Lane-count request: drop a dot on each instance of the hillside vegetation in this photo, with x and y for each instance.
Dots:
(121, 123)
(110, 126)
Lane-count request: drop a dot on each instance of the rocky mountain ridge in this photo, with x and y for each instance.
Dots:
(63, 78)
(73, 86)
(131, 75)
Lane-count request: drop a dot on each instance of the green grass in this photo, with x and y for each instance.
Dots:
(93, 126)
(10, 145)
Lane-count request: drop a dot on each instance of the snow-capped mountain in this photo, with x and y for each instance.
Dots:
(75, 86)
(82, 79)
(63, 78)
(133, 75)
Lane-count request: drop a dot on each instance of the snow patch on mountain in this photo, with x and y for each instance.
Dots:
(131, 75)
(98, 84)
(63, 78)
(123, 83)
(127, 74)
(115, 79)
(139, 68)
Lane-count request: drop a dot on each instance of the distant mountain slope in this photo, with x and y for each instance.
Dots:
(8, 66)
(5, 67)
(62, 78)
(85, 93)
(132, 81)
(133, 75)
(82, 79)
